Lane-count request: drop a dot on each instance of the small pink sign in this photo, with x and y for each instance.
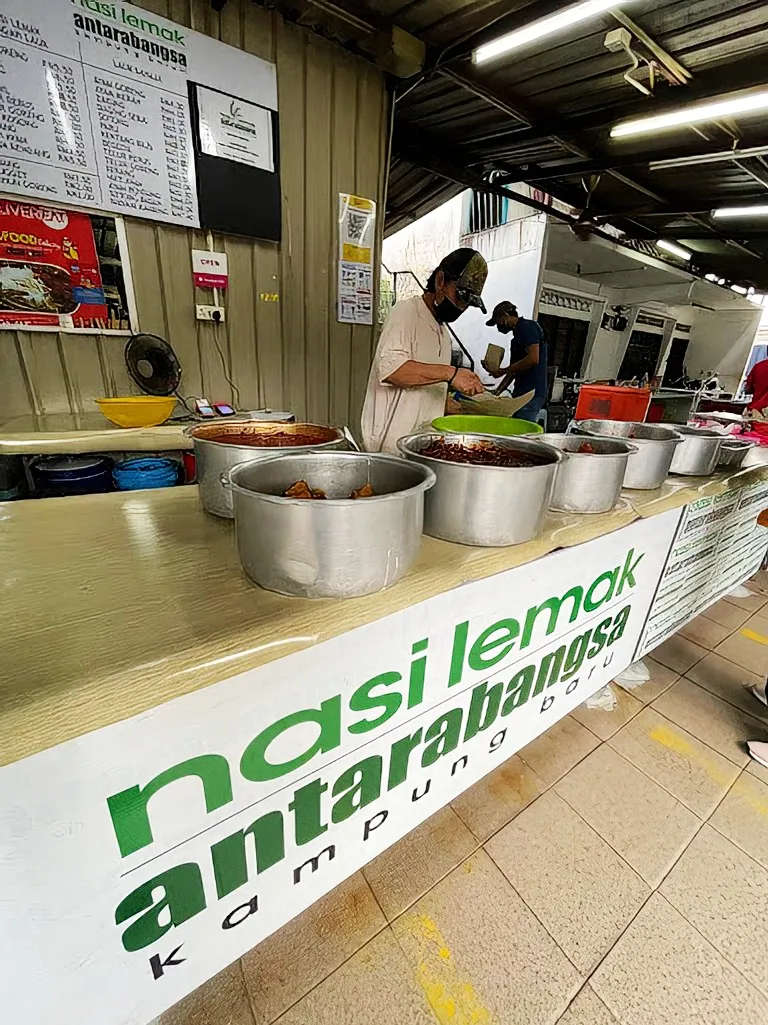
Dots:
(209, 270)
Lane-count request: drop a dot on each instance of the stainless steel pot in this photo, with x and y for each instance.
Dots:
(733, 452)
(485, 505)
(333, 548)
(698, 454)
(588, 482)
(648, 467)
(214, 456)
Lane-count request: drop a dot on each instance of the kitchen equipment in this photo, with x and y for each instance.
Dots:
(733, 452)
(336, 547)
(498, 426)
(146, 473)
(698, 454)
(610, 402)
(152, 364)
(60, 476)
(213, 455)
(588, 482)
(137, 410)
(485, 505)
(648, 467)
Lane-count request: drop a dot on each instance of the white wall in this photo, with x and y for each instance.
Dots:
(720, 344)
(514, 278)
(420, 246)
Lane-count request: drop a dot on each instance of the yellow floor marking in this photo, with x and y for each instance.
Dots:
(673, 741)
(742, 787)
(753, 636)
(453, 999)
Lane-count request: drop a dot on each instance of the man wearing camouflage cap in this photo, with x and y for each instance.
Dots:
(412, 370)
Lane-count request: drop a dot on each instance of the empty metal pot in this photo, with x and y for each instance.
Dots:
(699, 452)
(336, 547)
(733, 452)
(588, 482)
(647, 468)
(214, 456)
(485, 505)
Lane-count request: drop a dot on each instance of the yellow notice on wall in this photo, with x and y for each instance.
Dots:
(357, 228)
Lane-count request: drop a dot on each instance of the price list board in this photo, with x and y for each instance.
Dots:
(718, 544)
(94, 105)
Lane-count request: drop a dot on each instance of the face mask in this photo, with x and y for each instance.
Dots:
(446, 311)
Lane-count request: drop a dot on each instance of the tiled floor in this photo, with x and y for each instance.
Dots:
(613, 872)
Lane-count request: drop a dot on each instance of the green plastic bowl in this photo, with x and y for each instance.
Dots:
(503, 426)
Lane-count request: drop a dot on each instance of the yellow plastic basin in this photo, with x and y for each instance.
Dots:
(137, 410)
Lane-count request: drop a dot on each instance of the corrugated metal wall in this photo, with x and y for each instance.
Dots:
(289, 354)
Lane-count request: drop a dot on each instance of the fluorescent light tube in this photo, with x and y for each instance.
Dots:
(741, 211)
(711, 110)
(712, 277)
(543, 27)
(676, 250)
(739, 288)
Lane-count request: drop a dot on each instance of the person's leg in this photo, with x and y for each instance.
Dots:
(530, 410)
(758, 749)
(760, 691)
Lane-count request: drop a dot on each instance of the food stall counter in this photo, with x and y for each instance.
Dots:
(80, 433)
(190, 761)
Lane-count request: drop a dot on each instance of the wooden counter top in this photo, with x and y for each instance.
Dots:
(72, 434)
(116, 603)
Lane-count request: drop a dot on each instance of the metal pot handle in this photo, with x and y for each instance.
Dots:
(350, 439)
(224, 480)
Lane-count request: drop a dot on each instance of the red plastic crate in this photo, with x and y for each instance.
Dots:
(606, 402)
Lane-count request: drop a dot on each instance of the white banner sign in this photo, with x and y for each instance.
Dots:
(94, 104)
(141, 859)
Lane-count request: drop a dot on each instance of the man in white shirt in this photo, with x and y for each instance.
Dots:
(411, 370)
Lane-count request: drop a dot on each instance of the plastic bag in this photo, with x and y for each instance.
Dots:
(604, 699)
(634, 676)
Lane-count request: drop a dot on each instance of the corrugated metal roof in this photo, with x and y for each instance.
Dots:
(542, 115)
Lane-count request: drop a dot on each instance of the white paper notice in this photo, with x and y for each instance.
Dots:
(357, 223)
(235, 129)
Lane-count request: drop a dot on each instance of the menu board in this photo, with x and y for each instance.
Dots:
(717, 545)
(94, 104)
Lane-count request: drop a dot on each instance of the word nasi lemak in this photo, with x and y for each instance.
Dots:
(310, 812)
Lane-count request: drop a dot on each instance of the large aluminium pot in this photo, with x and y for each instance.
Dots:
(699, 452)
(647, 468)
(215, 456)
(588, 482)
(336, 547)
(487, 506)
(733, 452)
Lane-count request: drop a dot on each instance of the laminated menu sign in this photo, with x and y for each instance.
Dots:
(49, 271)
(94, 106)
(357, 225)
(718, 544)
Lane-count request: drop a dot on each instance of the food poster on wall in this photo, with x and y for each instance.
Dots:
(94, 104)
(357, 233)
(49, 270)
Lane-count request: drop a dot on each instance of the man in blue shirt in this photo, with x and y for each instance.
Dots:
(527, 358)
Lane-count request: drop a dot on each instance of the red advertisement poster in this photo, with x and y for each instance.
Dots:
(49, 271)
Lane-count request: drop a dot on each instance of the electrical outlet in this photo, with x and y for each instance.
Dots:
(214, 313)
